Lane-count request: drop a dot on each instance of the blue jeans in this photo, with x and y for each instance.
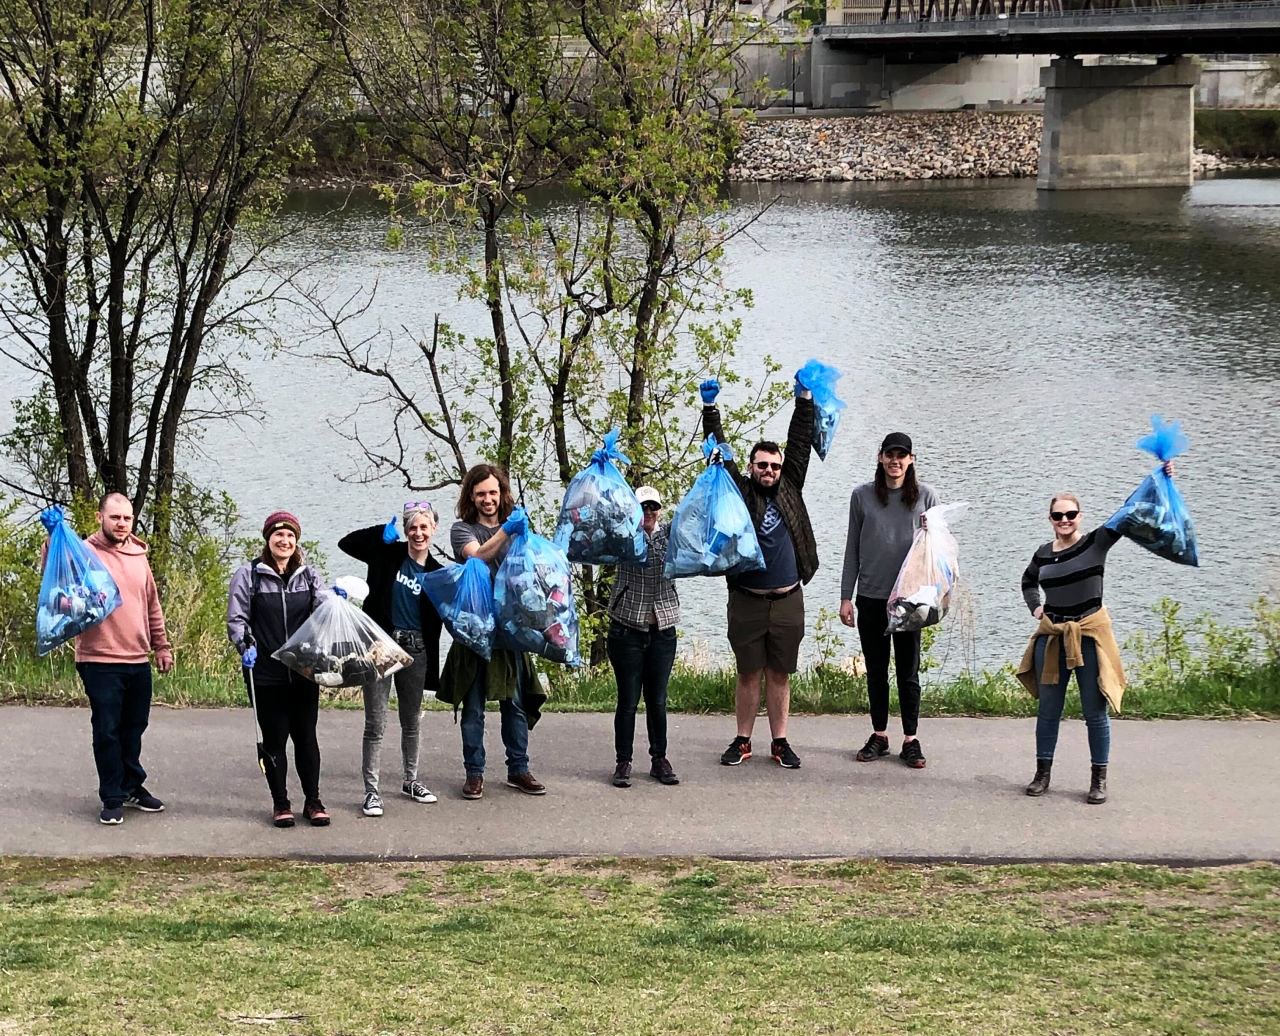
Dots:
(641, 661)
(1053, 697)
(515, 729)
(120, 705)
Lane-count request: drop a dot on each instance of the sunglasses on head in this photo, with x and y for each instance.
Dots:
(418, 505)
(764, 465)
(1068, 516)
(649, 505)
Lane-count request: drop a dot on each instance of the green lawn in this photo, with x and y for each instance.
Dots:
(1250, 692)
(661, 947)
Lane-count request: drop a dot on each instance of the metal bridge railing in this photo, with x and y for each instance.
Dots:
(995, 22)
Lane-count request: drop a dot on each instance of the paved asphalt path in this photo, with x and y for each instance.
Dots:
(1181, 792)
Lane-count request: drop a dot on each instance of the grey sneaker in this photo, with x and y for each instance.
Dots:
(372, 805)
(418, 791)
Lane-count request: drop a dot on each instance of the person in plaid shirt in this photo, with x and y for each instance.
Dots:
(643, 612)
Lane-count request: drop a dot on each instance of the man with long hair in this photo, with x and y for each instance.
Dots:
(766, 607)
(488, 520)
(883, 516)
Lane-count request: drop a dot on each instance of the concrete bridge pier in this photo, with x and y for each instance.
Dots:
(1117, 125)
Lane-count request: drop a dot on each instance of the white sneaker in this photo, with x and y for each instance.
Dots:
(418, 791)
(372, 805)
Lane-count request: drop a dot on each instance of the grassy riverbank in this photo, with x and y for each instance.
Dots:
(594, 946)
(1251, 693)
(1187, 668)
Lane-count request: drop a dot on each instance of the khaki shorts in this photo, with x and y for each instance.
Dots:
(766, 634)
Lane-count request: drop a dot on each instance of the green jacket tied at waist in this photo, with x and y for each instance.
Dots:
(502, 671)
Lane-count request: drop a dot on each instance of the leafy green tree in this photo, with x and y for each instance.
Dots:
(145, 143)
(607, 305)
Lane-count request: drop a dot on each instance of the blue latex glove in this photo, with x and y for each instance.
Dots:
(250, 656)
(709, 389)
(51, 516)
(389, 532)
(339, 592)
(517, 523)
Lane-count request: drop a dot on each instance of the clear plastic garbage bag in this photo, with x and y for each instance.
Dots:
(600, 517)
(340, 646)
(533, 600)
(711, 531)
(923, 592)
(1155, 515)
(820, 380)
(76, 590)
(463, 597)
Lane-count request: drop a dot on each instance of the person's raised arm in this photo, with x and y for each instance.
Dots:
(364, 544)
(795, 462)
(711, 425)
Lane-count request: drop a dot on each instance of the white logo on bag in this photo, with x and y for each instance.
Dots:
(409, 583)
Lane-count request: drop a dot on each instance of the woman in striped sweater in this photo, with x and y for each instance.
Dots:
(1074, 635)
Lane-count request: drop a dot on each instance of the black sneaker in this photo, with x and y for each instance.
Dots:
(782, 754)
(738, 752)
(912, 754)
(622, 775)
(111, 815)
(145, 801)
(661, 771)
(876, 746)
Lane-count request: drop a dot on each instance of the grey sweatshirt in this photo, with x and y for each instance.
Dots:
(878, 540)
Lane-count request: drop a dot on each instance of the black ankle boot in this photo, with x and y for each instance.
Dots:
(1097, 787)
(1040, 783)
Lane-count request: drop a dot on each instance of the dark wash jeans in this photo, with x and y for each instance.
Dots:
(873, 621)
(641, 661)
(120, 705)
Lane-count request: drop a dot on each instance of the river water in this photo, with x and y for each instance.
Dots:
(1023, 339)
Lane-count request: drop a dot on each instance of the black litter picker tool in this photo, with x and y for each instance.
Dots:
(266, 761)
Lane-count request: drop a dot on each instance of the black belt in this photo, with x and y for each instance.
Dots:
(770, 595)
(410, 640)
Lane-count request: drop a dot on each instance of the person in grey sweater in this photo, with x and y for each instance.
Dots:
(883, 517)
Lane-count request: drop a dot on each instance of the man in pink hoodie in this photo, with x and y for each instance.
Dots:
(114, 663)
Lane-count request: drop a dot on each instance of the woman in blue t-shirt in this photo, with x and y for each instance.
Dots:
(398, 604)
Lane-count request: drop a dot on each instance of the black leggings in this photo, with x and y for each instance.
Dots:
(290, 711)
(873, 620)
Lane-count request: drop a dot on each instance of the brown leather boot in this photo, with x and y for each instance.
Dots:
(1097, 787)
(1040, 782)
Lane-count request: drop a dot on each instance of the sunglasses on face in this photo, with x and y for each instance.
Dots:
(1064, 516)
(764, 465)
(650, 506)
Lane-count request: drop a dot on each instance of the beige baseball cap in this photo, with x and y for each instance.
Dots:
(647, 494)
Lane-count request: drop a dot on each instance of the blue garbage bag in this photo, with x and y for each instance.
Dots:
(1155, 515)
(76, 590)
(533, 600)
(820, 380)
(600, 517)
(463, 597)
(711, 531)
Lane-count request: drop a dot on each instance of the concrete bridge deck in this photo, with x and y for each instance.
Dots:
(1245, 27)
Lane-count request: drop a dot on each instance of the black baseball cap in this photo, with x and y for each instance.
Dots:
(896, 441)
